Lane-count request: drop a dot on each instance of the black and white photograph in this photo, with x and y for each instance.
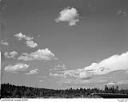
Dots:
(64, 49)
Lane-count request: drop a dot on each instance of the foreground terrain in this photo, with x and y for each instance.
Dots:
(13, 91)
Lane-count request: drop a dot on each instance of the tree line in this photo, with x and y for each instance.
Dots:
(13, 91)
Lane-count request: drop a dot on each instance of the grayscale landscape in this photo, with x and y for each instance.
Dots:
(64, 48)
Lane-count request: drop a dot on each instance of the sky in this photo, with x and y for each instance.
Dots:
(64, 43)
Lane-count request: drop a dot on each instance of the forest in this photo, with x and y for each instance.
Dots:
(14, 91)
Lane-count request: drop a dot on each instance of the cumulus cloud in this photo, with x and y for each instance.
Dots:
(113, 63)
(29, 40)
(21, 36)
(10, 54)
(4, 43)
(41, 54)
(34, 71)
(31, 43)
(16, 67)
(69, 15)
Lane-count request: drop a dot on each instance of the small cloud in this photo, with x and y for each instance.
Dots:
(31, 43)
(10, 54)
(21, 36)
(41, 54)
(4, 43)
(56, 74)
(34, 71)
(58, 67)
(16, 67)
(122, 12)
(29, 40)
(111, 84)
(69, 15)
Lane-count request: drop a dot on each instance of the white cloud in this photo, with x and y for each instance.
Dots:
(16, 67)
(69, 15)
(21, 36)
(41, 54)
(29, 40)
(4, 43)
(31, 43)
(113, 63)
(34, 71)
(10, 54)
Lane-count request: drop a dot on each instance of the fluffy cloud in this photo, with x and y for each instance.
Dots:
(34, 71)
(31, 43)
(113, 63)
(41, 54)
(11, 54)
(4, 43)
(69, 15)
(16, 67)
(29, 40)
(21, 36)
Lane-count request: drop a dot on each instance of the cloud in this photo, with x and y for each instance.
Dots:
(121, 82)
(31, 43)
(56, 74)
(21, 36)
(113, 63)
(16, 67)
(69, 15)
(41, 54)
(29, 40)
(122, 12)
(111, 84)
(4, 43)
(58, 67)
(34, 71)
(11, 54)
